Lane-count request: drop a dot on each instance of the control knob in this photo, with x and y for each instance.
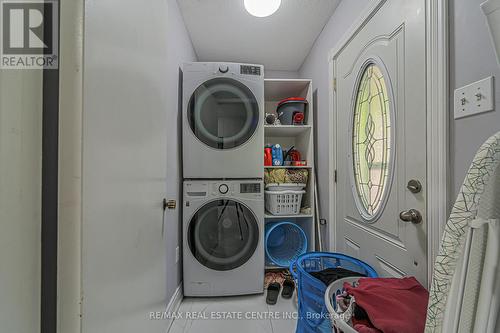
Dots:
(223, 188)
(223, 69)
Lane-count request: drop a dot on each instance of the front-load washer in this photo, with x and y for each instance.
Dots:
(223, 238)
(223, 120)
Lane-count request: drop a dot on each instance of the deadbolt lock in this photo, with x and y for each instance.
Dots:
(169, 204)
(414, 186)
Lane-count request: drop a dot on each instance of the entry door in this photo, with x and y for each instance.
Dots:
(380, 142)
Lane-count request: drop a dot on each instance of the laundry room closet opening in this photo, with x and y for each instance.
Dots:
(242, 215)
(250, 194)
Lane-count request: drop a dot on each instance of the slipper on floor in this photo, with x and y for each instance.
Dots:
(288, 288)
(273, 291)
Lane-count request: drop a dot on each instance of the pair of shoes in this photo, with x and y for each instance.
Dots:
(274, 276)
(273, 291)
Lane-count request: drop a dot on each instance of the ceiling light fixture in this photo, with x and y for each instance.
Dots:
(262, 8)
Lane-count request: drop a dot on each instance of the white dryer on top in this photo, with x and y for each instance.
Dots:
(223, 120)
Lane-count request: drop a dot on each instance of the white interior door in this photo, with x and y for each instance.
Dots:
(380, 141)
(20, 199)
(124, 166)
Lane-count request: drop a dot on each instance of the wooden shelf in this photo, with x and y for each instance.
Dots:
(277, 217)
(285, 130)
(274, 268)
(288, 167)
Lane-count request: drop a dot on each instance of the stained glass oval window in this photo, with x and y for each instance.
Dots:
(371, 142)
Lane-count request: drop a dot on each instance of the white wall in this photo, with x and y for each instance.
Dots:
(180, 49)
(271, 74)
(472, 58)
(315, 67)
(20, 199)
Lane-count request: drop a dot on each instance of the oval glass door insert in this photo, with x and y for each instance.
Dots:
(223, 113)
(371, 142)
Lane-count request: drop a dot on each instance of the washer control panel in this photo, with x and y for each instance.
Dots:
(236, 188)
(196, 189)
(250, 188)
(243, 189)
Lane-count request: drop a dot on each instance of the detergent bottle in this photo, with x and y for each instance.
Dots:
(277, 153)
(268, 156)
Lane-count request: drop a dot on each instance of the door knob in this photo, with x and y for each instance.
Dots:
(414, 186)
(170, 204)
(411, 215)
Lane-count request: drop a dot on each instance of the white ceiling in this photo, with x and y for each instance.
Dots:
(222, 30)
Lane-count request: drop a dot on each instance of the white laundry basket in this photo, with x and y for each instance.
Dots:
(341, 321)
(286, 202)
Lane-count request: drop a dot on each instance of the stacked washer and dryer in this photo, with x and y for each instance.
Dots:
(223, 203)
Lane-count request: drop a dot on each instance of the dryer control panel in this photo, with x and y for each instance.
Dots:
(250, 70)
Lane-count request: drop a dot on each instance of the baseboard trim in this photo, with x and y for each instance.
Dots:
(174, 304)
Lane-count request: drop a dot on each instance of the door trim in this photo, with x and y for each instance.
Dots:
(172, 306)
(69, 260)
(437, 89)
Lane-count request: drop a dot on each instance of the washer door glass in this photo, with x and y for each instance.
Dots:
(223, 113)
(223, 235)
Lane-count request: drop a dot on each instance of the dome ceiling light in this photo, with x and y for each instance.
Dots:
(262, 8)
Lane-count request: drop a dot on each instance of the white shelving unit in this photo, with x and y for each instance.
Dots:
(286, 130)
(275, 217)
(289, 167)
(301, 137)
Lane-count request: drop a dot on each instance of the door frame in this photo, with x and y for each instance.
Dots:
(437, 146)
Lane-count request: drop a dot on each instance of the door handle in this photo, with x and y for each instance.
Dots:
(170, 204)
(411, 215)
(166, 204)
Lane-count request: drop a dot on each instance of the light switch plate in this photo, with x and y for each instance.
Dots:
(477, 97)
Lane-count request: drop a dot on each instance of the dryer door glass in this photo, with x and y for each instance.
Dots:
(223, 113)
(223, 235)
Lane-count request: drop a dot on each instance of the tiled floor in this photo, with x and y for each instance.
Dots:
(243, 314)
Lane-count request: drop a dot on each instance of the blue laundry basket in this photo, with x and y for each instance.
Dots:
(313, 314)
(285, 242)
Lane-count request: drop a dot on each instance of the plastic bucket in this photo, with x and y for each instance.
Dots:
(288, 107)
(285, 242)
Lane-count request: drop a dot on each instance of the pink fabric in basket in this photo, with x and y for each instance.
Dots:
(393, 305)
(364, 326)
